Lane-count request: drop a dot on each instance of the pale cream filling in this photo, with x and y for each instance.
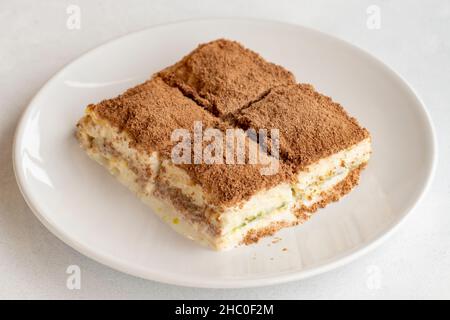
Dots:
(265, 205)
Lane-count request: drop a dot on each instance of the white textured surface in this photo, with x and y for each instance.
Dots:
(414, 39)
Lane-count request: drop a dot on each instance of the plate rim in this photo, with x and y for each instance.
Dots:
(289, 276)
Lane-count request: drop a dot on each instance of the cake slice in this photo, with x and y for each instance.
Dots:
(325, 147)
(223, 76)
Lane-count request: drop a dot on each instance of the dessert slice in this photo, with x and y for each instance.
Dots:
(215, 204)
(224, 77)
(325, 147)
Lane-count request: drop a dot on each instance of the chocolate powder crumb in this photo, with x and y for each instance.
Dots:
(276, 240)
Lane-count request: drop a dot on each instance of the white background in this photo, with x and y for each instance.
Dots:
(414, 39)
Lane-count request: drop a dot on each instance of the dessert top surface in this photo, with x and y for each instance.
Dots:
(311, 125)
(223, 76)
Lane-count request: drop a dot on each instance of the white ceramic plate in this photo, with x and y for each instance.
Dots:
(85, 207)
